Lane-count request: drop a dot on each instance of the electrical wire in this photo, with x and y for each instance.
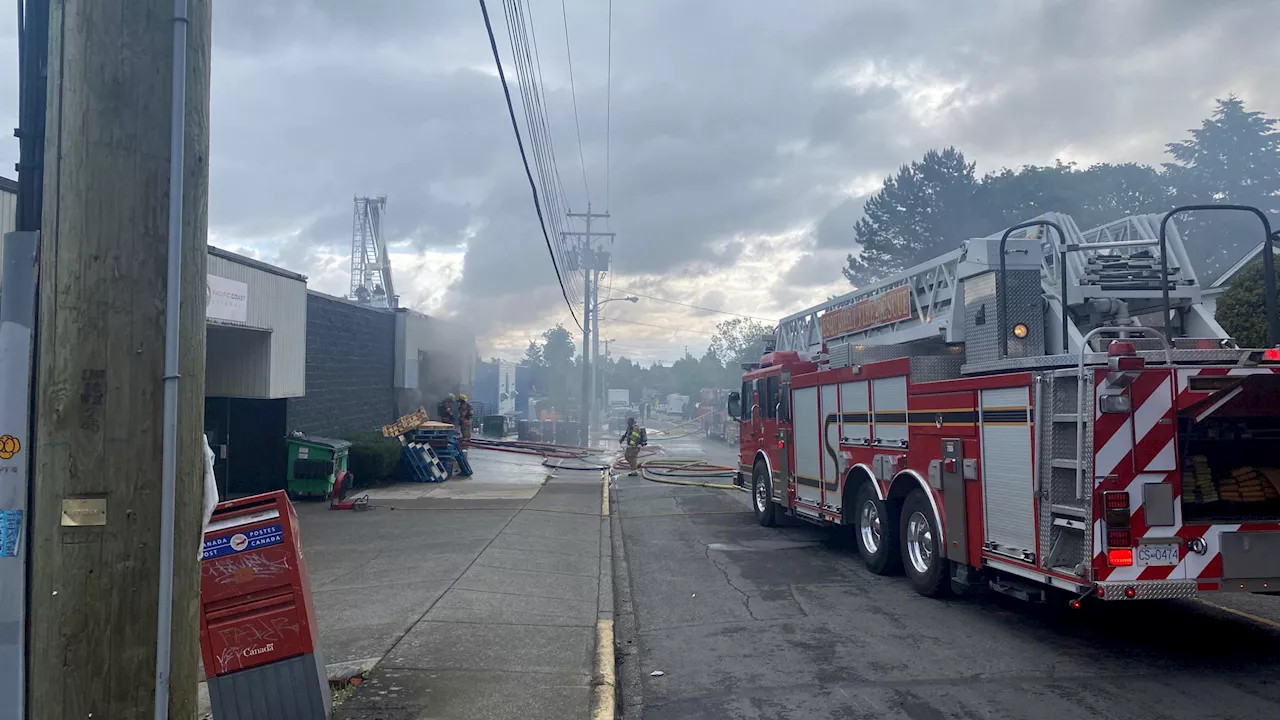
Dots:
(542, 93)
(695, 307)
(524, 158)
(540, 137)
(574, 93)
(701, 333)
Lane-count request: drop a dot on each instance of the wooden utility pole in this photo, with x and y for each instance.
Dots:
(96, 525)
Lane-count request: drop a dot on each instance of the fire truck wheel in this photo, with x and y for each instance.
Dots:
(875, 532)
(921, 553)
(762, 497)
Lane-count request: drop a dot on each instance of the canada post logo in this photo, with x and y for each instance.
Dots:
(249, 540)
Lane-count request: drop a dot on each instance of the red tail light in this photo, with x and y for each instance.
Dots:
(1116, 500)
(1119, 538)
(1118, 347)
(1120, 557)
(781, 445)
(1272, 354)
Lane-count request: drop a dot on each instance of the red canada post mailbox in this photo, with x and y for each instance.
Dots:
(257, 624)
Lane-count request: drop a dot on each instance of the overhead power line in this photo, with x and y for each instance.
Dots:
(695, 307)
(524, 159)
(574, 93)
(702, 333)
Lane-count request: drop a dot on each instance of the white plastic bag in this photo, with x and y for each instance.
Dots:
(210, 491)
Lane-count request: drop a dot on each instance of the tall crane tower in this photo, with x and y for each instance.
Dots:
(370, 262)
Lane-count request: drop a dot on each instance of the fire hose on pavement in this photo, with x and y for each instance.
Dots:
(692, 472)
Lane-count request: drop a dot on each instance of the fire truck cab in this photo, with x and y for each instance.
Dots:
(1034, 411)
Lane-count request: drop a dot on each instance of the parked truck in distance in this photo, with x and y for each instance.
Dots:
(713, 413)
(676, 404)
(619, 397)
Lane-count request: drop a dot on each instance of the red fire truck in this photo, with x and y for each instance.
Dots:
(714, 420)
(1044, 409)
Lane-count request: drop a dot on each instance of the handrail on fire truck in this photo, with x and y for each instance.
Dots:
(1081, 386)
(1002, 293)
(1268, 266)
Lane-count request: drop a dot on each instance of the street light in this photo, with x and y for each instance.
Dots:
(591, 417)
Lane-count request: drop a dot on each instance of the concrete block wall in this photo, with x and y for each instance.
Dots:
(350, 369)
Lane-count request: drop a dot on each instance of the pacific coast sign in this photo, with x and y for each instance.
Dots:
(882, 309)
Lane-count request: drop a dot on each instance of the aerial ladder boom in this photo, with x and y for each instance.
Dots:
(1112, 278)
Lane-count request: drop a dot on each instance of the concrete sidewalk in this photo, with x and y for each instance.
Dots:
(503, 584)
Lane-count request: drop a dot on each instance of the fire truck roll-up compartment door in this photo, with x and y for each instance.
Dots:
(889, 412)
(829, 396)
(855, 406)
(807, 446)
(1008, 485)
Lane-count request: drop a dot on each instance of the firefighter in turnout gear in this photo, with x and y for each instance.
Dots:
(633, 438)
(445, 409)
(464, 420)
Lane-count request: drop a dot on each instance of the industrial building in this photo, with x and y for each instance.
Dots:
(8, 205)
(255, 362)
(433, 357)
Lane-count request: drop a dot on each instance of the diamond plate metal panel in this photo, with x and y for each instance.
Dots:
(929, 368)
(1025, 304)
(1008, 490)
(980, 319)
(838, 355)
(1149, 589)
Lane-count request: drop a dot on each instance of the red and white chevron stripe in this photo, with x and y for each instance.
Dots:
(1133, 450)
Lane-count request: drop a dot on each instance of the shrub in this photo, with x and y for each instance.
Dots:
(374, 459)
(1242, 308)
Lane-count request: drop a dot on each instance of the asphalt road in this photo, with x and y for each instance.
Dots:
(749, 622)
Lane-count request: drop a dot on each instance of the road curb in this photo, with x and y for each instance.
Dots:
(604, 697)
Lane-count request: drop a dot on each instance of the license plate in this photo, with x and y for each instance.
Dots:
(1148, 555)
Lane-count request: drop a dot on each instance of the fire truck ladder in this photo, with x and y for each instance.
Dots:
(1114, 278)
(933, 286)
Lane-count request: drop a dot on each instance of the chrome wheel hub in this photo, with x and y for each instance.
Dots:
(919, 543)
(762, 494)
(869, 527)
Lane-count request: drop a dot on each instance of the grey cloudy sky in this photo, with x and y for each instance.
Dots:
(745, 135)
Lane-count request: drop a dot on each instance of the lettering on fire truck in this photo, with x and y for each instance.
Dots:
(882, 309)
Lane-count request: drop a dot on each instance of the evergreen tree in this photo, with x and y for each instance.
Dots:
(1233, 157)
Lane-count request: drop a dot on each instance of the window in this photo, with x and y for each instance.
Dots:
(771, 407)
(746, 400)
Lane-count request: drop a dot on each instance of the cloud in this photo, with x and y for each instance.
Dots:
(742, 143)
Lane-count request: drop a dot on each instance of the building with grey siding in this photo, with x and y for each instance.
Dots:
(255, 363)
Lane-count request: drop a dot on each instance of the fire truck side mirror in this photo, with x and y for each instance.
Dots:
(735, 405)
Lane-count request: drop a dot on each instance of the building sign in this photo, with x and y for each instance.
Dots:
(882, 309)
(226, 300)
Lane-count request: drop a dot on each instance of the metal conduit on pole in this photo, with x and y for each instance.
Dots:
(172, 325)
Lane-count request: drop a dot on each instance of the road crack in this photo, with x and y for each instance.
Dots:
(746, 597)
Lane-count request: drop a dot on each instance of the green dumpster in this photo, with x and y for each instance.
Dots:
(314, 464)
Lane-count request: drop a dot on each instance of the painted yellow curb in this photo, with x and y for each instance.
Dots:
(604, 702)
